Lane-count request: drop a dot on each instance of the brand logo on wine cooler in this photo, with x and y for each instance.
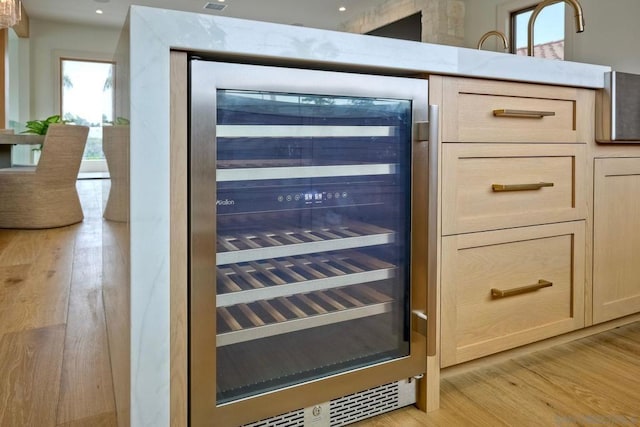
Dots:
(225, 202)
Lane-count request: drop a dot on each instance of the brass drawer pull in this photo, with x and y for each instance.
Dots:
(526, 114)
(499, 293)
(520, 187)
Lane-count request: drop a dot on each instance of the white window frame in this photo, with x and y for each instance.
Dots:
(503, 21)
(74, 55)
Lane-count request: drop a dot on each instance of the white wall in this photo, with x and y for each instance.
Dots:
(19, 92)
(48, 40)
(610, 38)
(18, 79)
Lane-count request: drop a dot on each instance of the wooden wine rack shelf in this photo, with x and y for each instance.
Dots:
(264, 318)
(262, 163)
(297, 172)
(284, 278)
(251, 245)
(247, 282)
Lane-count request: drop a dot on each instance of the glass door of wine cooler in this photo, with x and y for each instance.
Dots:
(301, 232)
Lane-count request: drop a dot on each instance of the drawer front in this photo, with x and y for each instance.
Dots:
(494, 186)
(548, 261)
(488, 111)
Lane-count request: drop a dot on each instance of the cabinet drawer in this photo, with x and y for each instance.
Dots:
(493, 186)
(471, 112)
(476, 323)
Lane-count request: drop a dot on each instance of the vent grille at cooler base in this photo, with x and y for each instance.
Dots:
(365, 404)
(290, 419)
(348, 409)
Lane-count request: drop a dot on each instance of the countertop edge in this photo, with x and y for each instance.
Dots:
(262, 41)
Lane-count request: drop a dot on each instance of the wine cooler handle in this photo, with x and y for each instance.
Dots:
(420, 322)
(432, 230)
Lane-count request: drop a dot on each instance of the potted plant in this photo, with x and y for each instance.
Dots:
(40, 127)
(119, 121)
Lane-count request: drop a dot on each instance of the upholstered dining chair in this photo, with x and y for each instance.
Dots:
(45, 196)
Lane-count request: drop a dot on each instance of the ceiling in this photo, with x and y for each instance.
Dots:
(308, 13)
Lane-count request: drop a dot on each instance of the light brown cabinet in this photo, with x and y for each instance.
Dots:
(494, 186)
(505, 288)
(616, 238)
(514, 204)
(477, 110)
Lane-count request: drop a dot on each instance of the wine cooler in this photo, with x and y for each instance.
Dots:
(308, 212)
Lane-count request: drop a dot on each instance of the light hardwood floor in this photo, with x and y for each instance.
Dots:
(54, 359)
(55, 368)
(593, 381)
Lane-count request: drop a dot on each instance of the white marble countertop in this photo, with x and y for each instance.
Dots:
(230, 36)
(151, 34)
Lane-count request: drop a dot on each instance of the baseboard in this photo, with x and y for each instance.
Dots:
(537, 346)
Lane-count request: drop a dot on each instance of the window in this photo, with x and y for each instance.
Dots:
(549, 31)
(87, 98)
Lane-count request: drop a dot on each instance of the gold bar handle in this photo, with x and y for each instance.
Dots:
(526, 114)
(499, 293)
(497, 188)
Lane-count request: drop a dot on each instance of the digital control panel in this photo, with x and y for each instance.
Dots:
(263, 199)
(312, 197)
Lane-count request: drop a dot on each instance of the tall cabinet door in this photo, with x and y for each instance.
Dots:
(616, 270)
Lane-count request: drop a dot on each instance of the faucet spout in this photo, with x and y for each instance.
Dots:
(494, 33)
(578, 15)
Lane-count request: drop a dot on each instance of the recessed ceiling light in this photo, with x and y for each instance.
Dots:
(220, 1)
(99, 11)
(342, 8)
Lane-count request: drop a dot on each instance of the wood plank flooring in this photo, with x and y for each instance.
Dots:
(30, 360)
(54, 359)
(55, 368)
(594, 381)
